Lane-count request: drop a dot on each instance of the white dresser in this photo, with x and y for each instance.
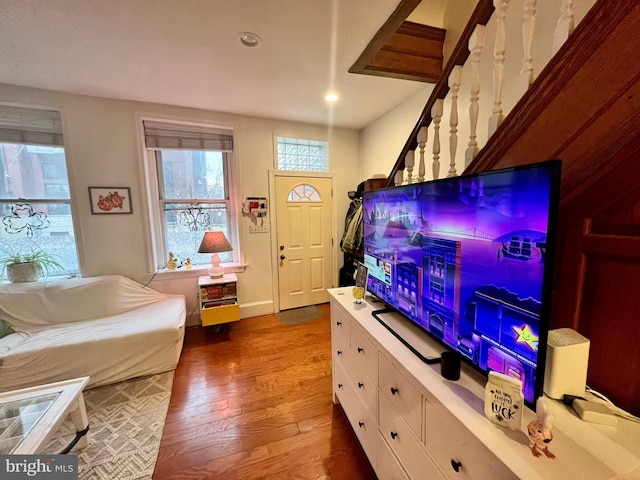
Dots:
(414, 424)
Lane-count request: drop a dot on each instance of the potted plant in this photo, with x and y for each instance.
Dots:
(28, 267)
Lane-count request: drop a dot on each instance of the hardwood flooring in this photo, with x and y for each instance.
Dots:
(254, 402)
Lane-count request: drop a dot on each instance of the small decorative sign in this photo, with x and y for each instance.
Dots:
(362, 273)
(503, 400)
(361, 283)
(110, 200)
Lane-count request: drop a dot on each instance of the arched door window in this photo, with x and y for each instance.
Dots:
(304, 193)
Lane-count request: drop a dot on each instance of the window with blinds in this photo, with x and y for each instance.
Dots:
(194, 172)
(35, 198)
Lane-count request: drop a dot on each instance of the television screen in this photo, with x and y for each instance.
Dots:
(468, 259)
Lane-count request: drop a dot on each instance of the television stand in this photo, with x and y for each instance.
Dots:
(414, 424)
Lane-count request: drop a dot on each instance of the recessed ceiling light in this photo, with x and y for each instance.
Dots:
(249, 39)
(331, 97)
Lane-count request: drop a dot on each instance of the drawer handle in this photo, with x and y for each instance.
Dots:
(360, 350)
(456, 465)
(339, 352)
(361, 424)
(394, 390)
(394, 435)
(338, 323)
(360, 384)
(339, 385)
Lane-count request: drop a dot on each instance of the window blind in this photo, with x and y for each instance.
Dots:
(171, 136)
(30, 126)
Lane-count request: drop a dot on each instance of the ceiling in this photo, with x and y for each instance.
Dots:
(186, 53)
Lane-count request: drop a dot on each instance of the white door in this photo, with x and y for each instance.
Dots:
(304, 233)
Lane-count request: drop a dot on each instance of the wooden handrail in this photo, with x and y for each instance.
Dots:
(481, 15)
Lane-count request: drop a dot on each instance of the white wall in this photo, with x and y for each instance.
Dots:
(104, 148)
(381, 141)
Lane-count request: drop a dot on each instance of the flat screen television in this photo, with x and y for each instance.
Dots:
(468, 259)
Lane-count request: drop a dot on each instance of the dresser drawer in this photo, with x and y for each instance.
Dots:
(217, 314)
(404, 443)
(340, 321)
(364, 387)
(340, 382)
(340, 352)
(387, 466)
(362, 423)
(405, 398)
(366, 390)
(364, 351)
(453, 447)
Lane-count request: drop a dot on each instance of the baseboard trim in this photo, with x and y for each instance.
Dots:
(256, 309)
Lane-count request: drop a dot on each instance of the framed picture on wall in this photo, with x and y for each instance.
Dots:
(110, 200)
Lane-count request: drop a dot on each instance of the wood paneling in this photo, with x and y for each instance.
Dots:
(610, 320)
(402, 49)
(254, 402)
(597, 274)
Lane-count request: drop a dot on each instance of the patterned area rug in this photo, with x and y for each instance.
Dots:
(126, 420)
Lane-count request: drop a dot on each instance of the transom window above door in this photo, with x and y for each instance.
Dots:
(304, 193)
(302, 155)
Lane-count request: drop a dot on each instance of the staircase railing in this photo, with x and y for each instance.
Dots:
(461, 77)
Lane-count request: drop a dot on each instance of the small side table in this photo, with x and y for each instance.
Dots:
(218, 300)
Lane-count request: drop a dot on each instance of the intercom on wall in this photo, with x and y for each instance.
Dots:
(256, 206)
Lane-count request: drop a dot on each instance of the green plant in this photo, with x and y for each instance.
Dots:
(46, 262)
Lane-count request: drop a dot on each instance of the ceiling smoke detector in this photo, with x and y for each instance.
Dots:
(249, 39)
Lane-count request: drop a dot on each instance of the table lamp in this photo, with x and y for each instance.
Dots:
(215, 242)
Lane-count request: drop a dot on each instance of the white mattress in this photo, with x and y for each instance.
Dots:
(141, 333)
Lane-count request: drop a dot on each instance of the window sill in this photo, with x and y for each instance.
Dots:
(196, 271)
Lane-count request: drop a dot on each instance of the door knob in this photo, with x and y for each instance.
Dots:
(282, 257)
(281, 247)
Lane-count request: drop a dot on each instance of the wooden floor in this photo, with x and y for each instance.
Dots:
(254, 402)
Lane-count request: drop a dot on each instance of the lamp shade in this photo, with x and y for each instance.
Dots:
(215, 242)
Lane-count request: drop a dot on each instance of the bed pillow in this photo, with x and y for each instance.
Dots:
(5, 329)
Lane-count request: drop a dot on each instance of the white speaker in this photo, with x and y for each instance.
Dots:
(567, 362)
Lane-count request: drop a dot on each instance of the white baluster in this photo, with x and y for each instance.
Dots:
(565, 25)
(409, 162)
(498, 65)
(399, 178)
(454, 87)
(436, 115)
(422, 140)
(528, 28)
(476, 42)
